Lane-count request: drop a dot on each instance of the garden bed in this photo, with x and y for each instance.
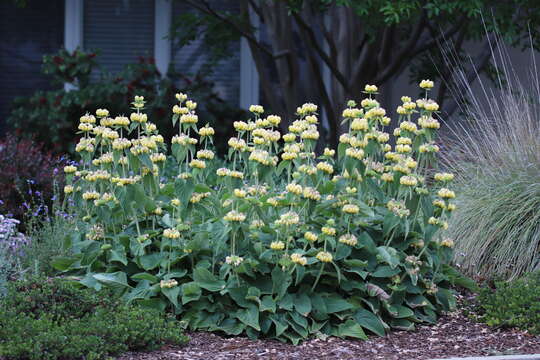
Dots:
(454, 335)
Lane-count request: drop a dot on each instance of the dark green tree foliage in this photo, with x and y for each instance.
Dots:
(355, 42)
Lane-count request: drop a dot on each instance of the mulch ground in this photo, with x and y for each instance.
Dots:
(454, 335)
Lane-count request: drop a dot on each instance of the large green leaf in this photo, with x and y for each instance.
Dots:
(151, 261)
(351, 329)
(389, 255)
(191, 291)
(302, 304)
(118, 253)
(231, 327)
(145, 276)
(280, 281)
(267, 304)
(64, 263)
(115, 280)
(249, 316)
(172, 294)
(336, 304)
(206, 280)
(370, 321)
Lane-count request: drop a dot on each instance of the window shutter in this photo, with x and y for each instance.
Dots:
(122, 30)
(26, 34)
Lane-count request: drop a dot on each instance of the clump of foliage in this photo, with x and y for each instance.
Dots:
(48, 115)
(512, 304)
(12, 245)
(279, 243)
(45, 234)
(28, 176)
(52, 319)
(495, 154)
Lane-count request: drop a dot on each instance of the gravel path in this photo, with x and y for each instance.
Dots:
(454, 335)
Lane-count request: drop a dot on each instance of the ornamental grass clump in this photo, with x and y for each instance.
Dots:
(276, 241)
(495, 154)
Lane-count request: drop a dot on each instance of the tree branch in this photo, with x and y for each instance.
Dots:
(308, 31)
(207, 9)
(403, 55)
(437, 39)
(256, 8)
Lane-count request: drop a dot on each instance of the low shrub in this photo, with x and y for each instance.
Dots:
(45, 318)
(291, 248)
(12, 247)
(49, 116)
(512, 304)
(28, 175)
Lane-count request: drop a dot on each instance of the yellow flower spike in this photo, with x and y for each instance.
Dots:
(171, 233)
(175, 202)
(198, 164)
(444, 177)
(426, 84)
(403, 149)
(348, 239)
(298, 259)
(189, 119)
(355, 153)
(360, 124)
(206, 131)
(408, 181)
(191, 105)
(431, 106)
(288, 138)
(446, 194)
(277, 245)
(311, 193)
(351, 209)
(239, 193)
(68, 189)
(288, 219)
(370, 89)
(102, 112)
(309, 236)
(324, 256)
(70, 169)
(403, 140)
(256, 109)
(90, 195)
(167, 284)
(447, 243)
(181, 97)
(325, 167)
(234, 216)
(205, 154)
(329, 152)
(274, 119)
(327, 230)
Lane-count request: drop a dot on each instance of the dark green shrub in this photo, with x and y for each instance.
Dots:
(513, 304)
(53, 319)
